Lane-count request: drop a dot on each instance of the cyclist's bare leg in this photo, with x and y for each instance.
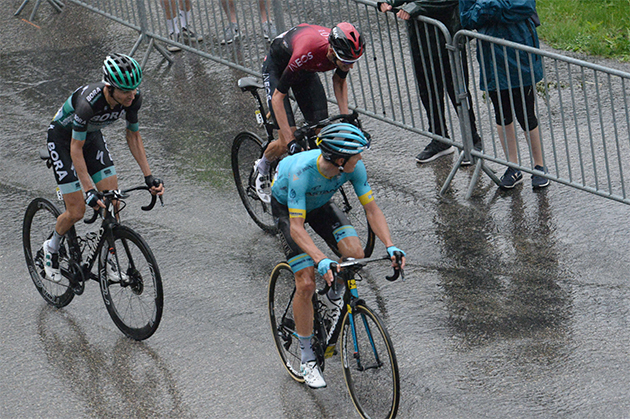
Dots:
(351, 247)
(302, 302)
(75, 209)
(108, 184)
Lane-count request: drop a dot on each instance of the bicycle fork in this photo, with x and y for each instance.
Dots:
(357, 354)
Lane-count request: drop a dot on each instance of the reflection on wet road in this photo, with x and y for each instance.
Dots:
(516, 304)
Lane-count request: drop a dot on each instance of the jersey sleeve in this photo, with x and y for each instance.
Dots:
(83, 112)
(132, 113)
(360, 184)
(296, 195)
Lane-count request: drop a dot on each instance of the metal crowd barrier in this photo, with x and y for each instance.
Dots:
(583, 117)
(582, 108)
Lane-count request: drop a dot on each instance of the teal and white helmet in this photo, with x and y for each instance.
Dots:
(341, 140)
(122, 72)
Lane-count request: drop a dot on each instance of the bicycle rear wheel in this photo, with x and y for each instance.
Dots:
(39, 223)
(246, 149)
(131, 284)
(369, 364)
(350, 205)
(280, 298)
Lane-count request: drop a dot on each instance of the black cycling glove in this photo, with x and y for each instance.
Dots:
(91, 198)
(153, 181)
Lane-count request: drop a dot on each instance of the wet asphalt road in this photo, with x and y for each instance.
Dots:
(516, 304)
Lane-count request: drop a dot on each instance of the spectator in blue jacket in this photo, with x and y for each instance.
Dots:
(509, 75)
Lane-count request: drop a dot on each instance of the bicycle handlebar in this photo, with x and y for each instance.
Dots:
(121, 194)
(357, 264)
(307, 130)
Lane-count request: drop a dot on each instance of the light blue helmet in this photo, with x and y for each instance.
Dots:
(341, 140)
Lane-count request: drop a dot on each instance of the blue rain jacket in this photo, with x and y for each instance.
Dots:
(512, 20)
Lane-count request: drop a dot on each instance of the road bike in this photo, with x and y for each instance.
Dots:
(368, 359)
(249, 147)
(127, 271)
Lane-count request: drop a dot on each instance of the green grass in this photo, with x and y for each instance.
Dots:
(595, 27)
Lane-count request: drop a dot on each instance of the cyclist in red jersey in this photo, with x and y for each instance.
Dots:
(294, 59)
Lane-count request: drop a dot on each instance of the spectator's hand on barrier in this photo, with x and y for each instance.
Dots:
(403, 15)
(385, 7)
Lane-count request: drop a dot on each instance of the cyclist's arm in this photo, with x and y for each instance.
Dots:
(379, 225)
(286, 131)
(340, 88)
(136, 146)
(78, 161)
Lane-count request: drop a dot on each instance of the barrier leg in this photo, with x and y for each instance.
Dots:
(451, 175)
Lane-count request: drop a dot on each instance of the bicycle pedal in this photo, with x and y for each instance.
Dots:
(331, 350)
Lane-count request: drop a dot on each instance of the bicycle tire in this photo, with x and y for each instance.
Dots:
(246, 149)
(38, 225)
(350, 205)
(132, 291)
(280, 302)
(372, 381)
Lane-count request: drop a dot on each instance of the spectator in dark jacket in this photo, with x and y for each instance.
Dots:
(429, 57)
(509, 75)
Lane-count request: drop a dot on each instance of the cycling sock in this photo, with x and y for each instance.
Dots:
(263, 165)
(184, 17)
(55, 241)
(172, 27)
(332, 295)
(307, 350)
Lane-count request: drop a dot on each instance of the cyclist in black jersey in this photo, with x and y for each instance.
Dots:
(81, 160)
(293, 61)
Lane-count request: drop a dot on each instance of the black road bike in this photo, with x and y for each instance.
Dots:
(127, 271)
(249, 147)
(368, 359)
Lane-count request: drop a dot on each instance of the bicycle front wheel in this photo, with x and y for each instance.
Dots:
(246, 149)
(369, 364)
(281, 292)
(131, 284)
(38, 226)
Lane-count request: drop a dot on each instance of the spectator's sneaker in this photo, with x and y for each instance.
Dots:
(312, 375)
(539, 182)
(188, 34)
(263, 185)
(269, 30)
(51, 263)
(511, 178)
(174, 37)
(231, 34)
(434, 150)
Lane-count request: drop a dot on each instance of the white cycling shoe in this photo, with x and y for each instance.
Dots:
(263, 185)
(312, 375)
(51, 263)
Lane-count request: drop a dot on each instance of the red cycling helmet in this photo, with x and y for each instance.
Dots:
(347, 42)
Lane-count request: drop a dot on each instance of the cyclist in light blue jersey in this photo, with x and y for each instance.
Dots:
(301, 194)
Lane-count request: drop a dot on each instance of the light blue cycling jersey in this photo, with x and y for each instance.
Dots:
(301, 186)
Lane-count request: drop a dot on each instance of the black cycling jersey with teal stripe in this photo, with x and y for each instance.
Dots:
(87, 110)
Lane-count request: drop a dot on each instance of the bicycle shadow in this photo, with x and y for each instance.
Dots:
(128, 380)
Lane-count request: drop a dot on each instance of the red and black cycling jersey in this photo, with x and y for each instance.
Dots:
(87, 110)
(301, 48)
